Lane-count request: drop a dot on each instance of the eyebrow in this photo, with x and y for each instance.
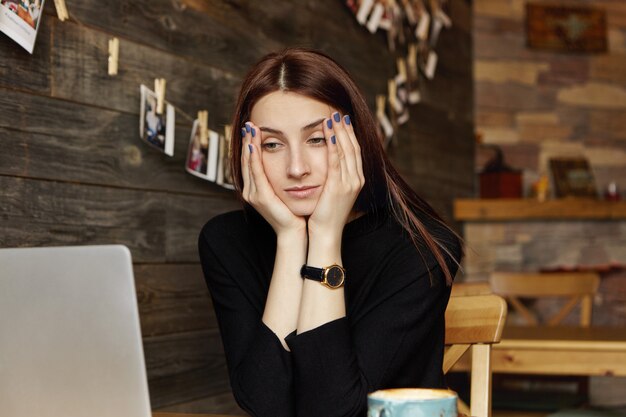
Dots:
(304, 128)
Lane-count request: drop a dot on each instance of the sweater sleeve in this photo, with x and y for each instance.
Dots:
(259, 367)
(400, 337)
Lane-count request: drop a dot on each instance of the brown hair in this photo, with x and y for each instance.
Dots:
(316, 75)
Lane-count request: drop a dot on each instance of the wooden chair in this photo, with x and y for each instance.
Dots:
(578, 287)
(474, 322)
(471, 288)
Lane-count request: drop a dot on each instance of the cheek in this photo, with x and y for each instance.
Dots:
(273, 168)
(321, 162)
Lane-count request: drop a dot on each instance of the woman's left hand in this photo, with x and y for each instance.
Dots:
(344, 179)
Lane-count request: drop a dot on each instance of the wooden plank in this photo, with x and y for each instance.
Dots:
(518, 209)
(174, 27)
(156, 226)
(23, 71)
(226, 31)
(191, 385)
(79, 72)
(182, 352)
(71, 142)
(218, 403)
(173, 298)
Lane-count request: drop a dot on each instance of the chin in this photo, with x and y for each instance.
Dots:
(303, 208)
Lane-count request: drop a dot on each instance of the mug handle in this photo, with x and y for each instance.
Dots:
(380, 412)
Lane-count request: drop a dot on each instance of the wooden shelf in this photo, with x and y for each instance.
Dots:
(529, 209)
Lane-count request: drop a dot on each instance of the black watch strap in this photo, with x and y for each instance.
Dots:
(312, 272)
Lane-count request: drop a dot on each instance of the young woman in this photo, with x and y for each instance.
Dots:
(334, 279)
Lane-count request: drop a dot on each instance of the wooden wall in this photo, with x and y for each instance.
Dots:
(74, 172)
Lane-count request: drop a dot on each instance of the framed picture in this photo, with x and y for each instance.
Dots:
(566, 28)
(572, 177)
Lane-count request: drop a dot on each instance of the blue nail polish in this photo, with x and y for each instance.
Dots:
(247, 128)
(333, 139)
(253, 132)
(329, 123)
(250, 147)
(337, 117)
(243, 132)
(347, 119)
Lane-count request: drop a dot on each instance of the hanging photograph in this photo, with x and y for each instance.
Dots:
(198, 153)
(19, 19)
(154, 128)
(203, 153)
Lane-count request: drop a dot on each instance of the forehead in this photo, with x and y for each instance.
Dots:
(283, 108)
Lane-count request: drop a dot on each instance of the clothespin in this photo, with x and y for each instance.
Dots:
(203, 125)
(385, 124)
(364, 11)
(159, 90)
(61, 10)
(375, 18)
(393, 96)
(228, 132)
(412, 59)
(114, 53)
(409, 11)
(401, 64)
(431, 64)
(380, 103)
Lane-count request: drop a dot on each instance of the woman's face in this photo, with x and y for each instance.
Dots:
(293, 147)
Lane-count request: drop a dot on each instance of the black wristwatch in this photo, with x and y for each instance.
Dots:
(332, 276)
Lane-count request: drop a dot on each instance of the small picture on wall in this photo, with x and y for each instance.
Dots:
(198, 152)
(572, 177)
(19, 19)
(154, 128)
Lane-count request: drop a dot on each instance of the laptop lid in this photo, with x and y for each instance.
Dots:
(70, 340)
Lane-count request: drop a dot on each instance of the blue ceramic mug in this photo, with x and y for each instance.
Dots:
(412, 402)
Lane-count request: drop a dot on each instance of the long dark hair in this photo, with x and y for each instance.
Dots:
(316, 75)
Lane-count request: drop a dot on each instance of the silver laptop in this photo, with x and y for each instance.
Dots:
(70, 341)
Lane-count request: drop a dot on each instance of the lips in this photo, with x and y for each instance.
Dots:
(302, 192)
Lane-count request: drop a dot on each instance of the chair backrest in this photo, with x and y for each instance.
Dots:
(470, 288)
(476, 322)
(577, 287)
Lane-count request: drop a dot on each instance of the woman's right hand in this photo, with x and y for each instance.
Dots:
(258, 192)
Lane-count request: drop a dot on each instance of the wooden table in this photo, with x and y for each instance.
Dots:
(558, 351)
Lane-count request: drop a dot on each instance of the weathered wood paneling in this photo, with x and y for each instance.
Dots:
(78, 143)
(156, 226)
(173, 298)
(73, 170)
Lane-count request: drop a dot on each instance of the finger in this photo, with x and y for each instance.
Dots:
(245, 167)
(347, 122)
(334, 165)
(346, 150)
(258, 176)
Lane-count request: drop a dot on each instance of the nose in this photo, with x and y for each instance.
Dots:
(298, 164)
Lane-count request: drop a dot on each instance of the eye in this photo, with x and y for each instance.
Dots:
(317, 141)
(270, 146)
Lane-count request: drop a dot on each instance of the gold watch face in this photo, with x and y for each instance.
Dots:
(334, 276)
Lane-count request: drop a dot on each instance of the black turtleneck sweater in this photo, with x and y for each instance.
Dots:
(392, 335)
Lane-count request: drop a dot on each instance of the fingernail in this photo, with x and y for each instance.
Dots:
(253, 132)
(250, 147)
(247, 127)
(329, 123)
(333, 139)
(337, 117)
(347, 119)
(243, 131)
